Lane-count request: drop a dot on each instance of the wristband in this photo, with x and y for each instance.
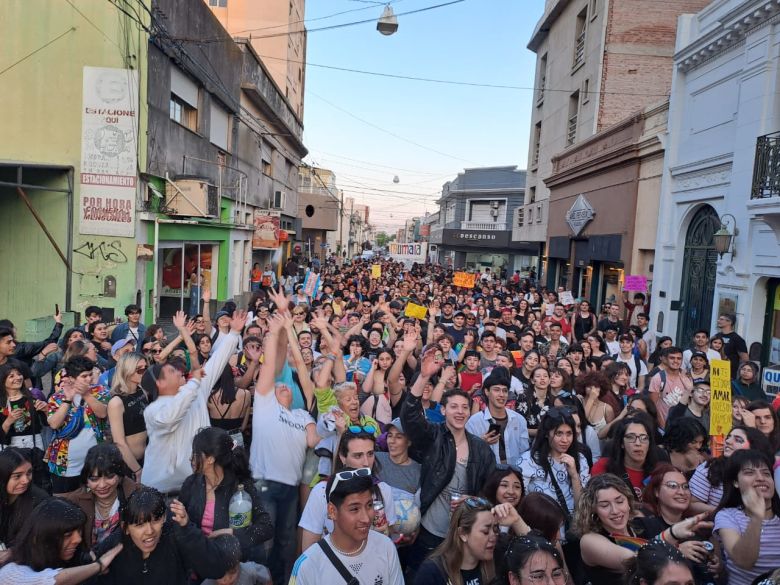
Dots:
(101, 568)
(671, 533)
(66, 401)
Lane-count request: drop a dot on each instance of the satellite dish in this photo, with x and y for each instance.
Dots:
(396, 179)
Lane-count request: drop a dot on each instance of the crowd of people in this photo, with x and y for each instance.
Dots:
(380, 431)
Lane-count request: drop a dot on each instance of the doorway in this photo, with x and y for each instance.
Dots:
(697, 289)
(186, 269)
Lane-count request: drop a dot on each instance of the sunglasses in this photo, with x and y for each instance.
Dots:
(141, 370)
(370, 429)
(347, 475)
(474, 503)
(297, 312)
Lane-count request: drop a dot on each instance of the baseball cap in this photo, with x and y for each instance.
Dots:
(120, 344)
(221, 314)
(396, 423)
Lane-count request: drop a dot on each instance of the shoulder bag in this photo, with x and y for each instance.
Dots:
(348, 577)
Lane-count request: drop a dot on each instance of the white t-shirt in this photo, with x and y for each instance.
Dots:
(633, 381)
(278, 440)
(315, 515)
(377, 565)
(24, 575)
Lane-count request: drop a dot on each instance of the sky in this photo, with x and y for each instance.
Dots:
(363, 127)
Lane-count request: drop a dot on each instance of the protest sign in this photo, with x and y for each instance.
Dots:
(635, 283)
(416, 311)
(464, 279)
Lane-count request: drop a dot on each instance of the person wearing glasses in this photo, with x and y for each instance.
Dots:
(529, 560)
(632, 456)
(356, 450)
(697, 408)
(707, 480)
(608, 539)
(667, 498)
(353, 552)
(466, 554)
(106, 484)
(126, 411)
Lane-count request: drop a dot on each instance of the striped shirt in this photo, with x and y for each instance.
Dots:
(701, 487)
(768, 554)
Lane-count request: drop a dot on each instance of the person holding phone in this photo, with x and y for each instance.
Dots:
(503, 429)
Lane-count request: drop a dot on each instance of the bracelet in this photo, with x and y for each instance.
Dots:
(101, 568)
(66, 401)
(671, 533)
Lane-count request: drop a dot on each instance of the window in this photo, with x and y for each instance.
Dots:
(219, 130)
(530, 215)
(586, 91)
(182, 113)
(219, 3)
(538, 214)
(277, 202)
(520, 217)
(267, 167)
(593, 9)
(571, 125)
(537, 141)
(542, 79)
(579, 38)
(531, 194)
(449, 213)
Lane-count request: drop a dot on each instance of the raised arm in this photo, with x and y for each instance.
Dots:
(447, 374)
(223, 349)
(393, 376)
(207, 310)
(265, 382)
(335, 344)
(303, 371)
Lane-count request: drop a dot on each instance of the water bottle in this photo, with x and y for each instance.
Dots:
(19, 424)
(240, 509)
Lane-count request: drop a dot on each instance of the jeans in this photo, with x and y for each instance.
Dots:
(281, 502)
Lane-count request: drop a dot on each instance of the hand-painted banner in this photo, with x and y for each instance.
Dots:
(464, 279)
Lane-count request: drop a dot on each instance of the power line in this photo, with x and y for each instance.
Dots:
(96, 27)
(394, 168)
(41, 48)
(417, 144)
(324, 28)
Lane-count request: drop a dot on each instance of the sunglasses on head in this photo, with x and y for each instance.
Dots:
(347, 475)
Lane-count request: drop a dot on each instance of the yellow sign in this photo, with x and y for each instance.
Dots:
(376, 271)
(464, 279)
(416, 311)
(720, 405)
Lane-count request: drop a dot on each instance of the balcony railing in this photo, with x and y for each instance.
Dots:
(540, 94)
(497, 226)
(579, 49)
(766, 168)
(571, 130)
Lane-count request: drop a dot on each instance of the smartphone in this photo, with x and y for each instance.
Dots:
(56, 309)
(494, 428)
(448, 363)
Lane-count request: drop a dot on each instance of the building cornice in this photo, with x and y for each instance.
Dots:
(545, 23)
(730, 31)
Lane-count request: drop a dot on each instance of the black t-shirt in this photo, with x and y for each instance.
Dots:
(733, 345)
(604, 323)
(430, 573)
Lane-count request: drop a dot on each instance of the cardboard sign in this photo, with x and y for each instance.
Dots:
(416, 311)
(376, 271)
(566, 298)
(635, 283)
(464, 279)
(720, 404)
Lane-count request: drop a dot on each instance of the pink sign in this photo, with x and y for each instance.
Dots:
(635, 283)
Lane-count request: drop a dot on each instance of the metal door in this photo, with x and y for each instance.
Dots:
(697, 289)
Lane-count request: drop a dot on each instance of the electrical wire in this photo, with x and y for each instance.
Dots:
(41, 48)
(324, 28)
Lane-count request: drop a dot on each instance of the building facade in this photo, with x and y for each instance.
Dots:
(597, 64)
(721, 172)
(604, 194)
(474, 214)
(73, 124)
(319, 207)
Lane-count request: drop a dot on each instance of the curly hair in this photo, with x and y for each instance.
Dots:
(592, 379)
(682, 431)
(585, 517)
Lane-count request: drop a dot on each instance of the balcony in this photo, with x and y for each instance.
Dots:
(497, 226)
(579, 50)
(766, 168)
(571, 130)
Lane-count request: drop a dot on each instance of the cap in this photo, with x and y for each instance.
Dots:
(120, 344)
(459, 314)
(221, 314)
(700, 354)
(396, 422)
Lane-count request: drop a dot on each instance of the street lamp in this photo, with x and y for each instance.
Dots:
(388, 22)
(723, 238)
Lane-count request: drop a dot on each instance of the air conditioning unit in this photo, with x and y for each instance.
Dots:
(278, 200)
(192, 198)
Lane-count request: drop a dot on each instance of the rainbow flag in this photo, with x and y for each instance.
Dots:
(632, 543)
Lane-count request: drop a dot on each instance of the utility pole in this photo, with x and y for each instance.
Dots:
(341, 225)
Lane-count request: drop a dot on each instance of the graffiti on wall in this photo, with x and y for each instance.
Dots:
(103, 250)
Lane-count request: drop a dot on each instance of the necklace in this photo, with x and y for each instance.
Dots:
(353, 553)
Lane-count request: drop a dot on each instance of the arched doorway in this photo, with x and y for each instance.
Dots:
(698, 275)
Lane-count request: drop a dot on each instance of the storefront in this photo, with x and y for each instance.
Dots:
(476, 250)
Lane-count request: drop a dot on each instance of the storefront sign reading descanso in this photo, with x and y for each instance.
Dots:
(408, 253)
(108, 152)
(481, 239)
(579, 215)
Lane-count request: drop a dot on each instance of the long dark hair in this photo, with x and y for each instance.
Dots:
(490, 487)
(5, 371)
(10, 460)
(540, 450)
(217, 443)
(732, 497)
(651, 560)
(39, 541)
(513, 554)
(227, 384)
(774, 438)
(104, 459)
(716, 468)
(617, 456)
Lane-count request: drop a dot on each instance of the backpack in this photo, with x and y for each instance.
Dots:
(637, 365)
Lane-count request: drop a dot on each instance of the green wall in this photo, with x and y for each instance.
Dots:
(40, 122)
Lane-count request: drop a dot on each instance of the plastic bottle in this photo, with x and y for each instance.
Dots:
(19, 424)
(240, 509)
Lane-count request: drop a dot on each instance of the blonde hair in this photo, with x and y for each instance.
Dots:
(585, 517)
(342, 388)
(125, 368)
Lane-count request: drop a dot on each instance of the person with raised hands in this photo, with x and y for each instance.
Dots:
(177, 409)
(454, 462)
(281, 434)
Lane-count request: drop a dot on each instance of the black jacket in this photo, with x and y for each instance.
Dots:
(193, 496)
(433, 446)
(27, 350)
(179, 552)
